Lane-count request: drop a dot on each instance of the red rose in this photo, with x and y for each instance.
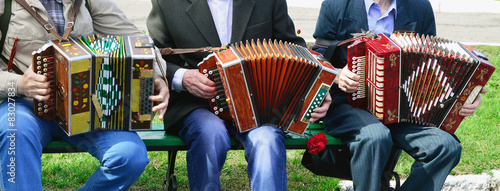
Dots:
(316, 143)
(298, 31)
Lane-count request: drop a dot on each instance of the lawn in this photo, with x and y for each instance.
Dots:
(479, 135)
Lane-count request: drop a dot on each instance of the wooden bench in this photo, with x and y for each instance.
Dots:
(158, 140)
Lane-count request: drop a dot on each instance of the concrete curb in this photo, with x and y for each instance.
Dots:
(483, 182)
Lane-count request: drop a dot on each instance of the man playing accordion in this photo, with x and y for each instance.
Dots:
(435, 151)
(122, 154)
(212, 23)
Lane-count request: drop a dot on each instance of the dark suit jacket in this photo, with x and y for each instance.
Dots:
(189, 24)
(338, 19)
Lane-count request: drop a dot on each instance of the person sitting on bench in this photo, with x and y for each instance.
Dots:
(435, 151)
(204, 23)
(122, 154)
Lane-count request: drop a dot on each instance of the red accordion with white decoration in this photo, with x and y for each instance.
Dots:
(275, 83)
(418, 79)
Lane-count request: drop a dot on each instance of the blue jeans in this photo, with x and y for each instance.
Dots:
(208, 141)
(122, 154)
(435, 151)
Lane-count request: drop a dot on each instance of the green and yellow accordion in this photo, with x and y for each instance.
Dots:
(97, 82)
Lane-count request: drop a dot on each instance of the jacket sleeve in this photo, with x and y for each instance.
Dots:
(161, 37)
(326, 31)
(7, 80)
(283, 27)
(8, 83)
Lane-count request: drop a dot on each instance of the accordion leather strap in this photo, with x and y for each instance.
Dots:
(49, 27)
(69, 26)
(169, 51)
(357, 36)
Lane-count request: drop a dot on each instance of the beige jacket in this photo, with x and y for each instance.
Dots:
(104, 17)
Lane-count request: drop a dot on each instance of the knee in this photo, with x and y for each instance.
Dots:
(209, 134)
(376, 135)
(216, 131)
(450, 149)
(127, 156)
(267, 136)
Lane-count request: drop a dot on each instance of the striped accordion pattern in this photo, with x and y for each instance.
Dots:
(417, 79)
(97, 83)
(267, 83)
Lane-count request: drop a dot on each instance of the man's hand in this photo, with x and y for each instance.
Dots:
(198, 84)
(161, 98)
(347, 80)
(33, 85)
(469, 109)
(320, 111)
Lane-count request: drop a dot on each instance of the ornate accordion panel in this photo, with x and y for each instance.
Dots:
(417, 79)
(97, 83)
(260, 83)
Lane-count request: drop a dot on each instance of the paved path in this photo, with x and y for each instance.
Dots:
(467, 21)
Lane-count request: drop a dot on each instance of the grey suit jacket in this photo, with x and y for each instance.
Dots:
(189, 24)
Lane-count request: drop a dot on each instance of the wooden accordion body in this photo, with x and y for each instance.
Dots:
(416, 79)
(97, 83)
(267, 83)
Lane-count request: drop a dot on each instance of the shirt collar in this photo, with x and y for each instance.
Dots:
(393, 6)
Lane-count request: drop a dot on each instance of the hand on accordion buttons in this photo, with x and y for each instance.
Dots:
(198, 84)
(347, 80)
(33, 85)
(161, 97)
(320, 111)
(469, 109)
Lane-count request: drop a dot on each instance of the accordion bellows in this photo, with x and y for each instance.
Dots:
(97, 83)
(267, 83)
(417, 79)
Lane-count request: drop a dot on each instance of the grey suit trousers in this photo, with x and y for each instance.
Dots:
(435, 151)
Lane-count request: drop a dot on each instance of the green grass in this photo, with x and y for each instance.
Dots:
(69, 171)
(479, 135)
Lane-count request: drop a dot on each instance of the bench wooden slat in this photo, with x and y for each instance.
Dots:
(158, 140)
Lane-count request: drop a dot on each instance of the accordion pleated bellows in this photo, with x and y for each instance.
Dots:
(267, 83)
(417, 79)
(97, 83)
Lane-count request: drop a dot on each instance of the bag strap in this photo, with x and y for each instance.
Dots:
(48, 26)
(4, 25)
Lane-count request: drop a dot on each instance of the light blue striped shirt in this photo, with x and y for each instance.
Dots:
(377, 22)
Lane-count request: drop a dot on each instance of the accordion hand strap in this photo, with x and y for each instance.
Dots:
(168, 51)
(47, 25)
